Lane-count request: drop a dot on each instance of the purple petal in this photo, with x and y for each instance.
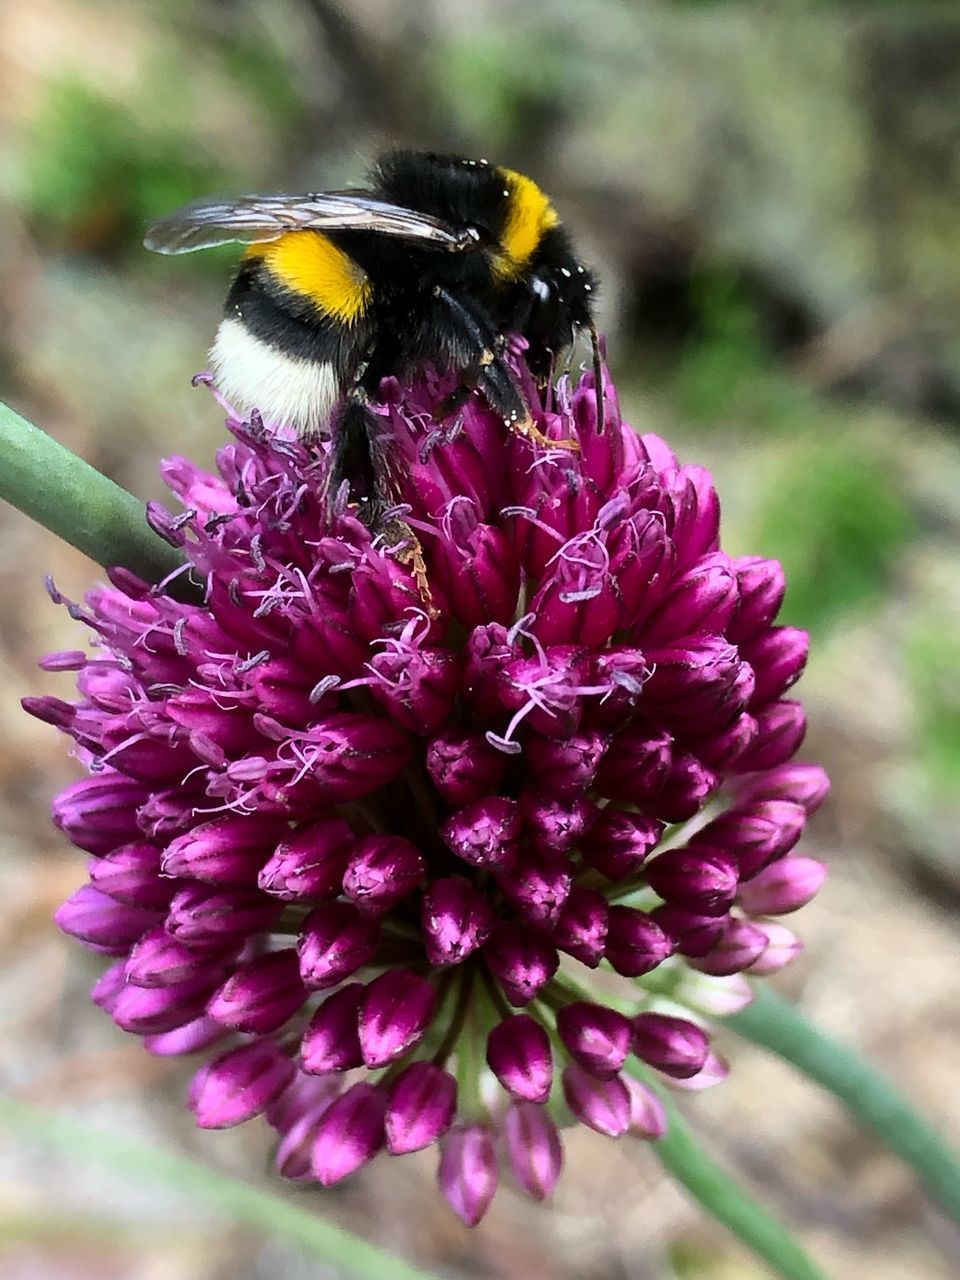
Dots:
(468, 1172)
(420, 1107)
(349, 1134)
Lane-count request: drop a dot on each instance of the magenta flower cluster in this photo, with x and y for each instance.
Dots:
(365, 815)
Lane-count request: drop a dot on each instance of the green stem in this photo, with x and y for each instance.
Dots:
(47, 482)
(778, 1026)
(722, 1197)
(243, 1204)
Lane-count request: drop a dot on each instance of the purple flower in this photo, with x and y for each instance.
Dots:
(373, 791)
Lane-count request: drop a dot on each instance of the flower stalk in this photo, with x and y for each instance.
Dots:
(720, 1194)
(776, 1025)
(239, 1202)
(47, 482)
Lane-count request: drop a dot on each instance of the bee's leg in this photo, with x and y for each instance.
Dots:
(597, 377)
(505, 398)
(488, 372)
(470, 378)
(363, 457)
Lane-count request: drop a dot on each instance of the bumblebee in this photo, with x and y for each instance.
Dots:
(437, 261)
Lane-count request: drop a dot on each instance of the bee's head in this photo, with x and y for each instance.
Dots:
(560, 303)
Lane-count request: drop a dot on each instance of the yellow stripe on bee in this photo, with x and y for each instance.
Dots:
(529, 215)
(314, 267)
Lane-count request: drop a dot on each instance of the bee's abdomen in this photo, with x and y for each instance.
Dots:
(317, 272)
(279, 353)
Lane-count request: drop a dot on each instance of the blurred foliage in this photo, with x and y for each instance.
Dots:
(727, 368)
(503, 84)
(95, 175)
(932, 655)
(838, 520)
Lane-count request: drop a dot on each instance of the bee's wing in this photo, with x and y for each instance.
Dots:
(248, 219)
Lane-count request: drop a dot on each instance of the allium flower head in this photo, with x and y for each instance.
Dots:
(363, 821)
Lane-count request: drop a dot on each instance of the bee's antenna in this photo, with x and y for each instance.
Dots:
(597, 375)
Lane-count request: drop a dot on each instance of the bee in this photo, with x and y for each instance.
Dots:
(437, 261)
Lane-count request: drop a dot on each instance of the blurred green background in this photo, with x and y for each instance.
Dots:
(771, 194)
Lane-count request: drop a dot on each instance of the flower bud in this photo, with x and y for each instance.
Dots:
(481, 580)
(702, 879)
(721, 749)
(131, 875)
(420, 1107)
(310, 864)
(623, 670)
(555, 824)
(520, 960)
(261, 995)
(396, 1010)
(203, 915)
(99, 813)
(565, 767)
(464, 767)
(468, 1171)
(714, 1071)
(783, 945)
(158, 960)
(778, 656)
(648, 1116)
(239, 1084)
(783, 886)
(635, 942)
(283, 689)
(698, 683)
(382, 870)
(533, 1148)
(352, 754)
(754, 835)
(227, 851)
(740, 944)
(673, 1045)
(537, 887)
(696, 511)
(102, 923)
(581, 927)
(331, 1041)
(595, 1036)
(518, 1054)
(701, 600)
(714, 997)
(334, 942)
(693, 933)
(192, 1037)
(603, 1105)
(108, 988)
(618, 842)
(804, 784)
(349, 1133)
(154, 1010)
(456, 919)
(485, 833)
(636, 765)
(417, 685)
(762, 585)
(294, 1155)
(781, 727)
(305, 1094)
(688, 786)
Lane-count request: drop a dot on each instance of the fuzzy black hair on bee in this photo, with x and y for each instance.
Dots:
(437, 261)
